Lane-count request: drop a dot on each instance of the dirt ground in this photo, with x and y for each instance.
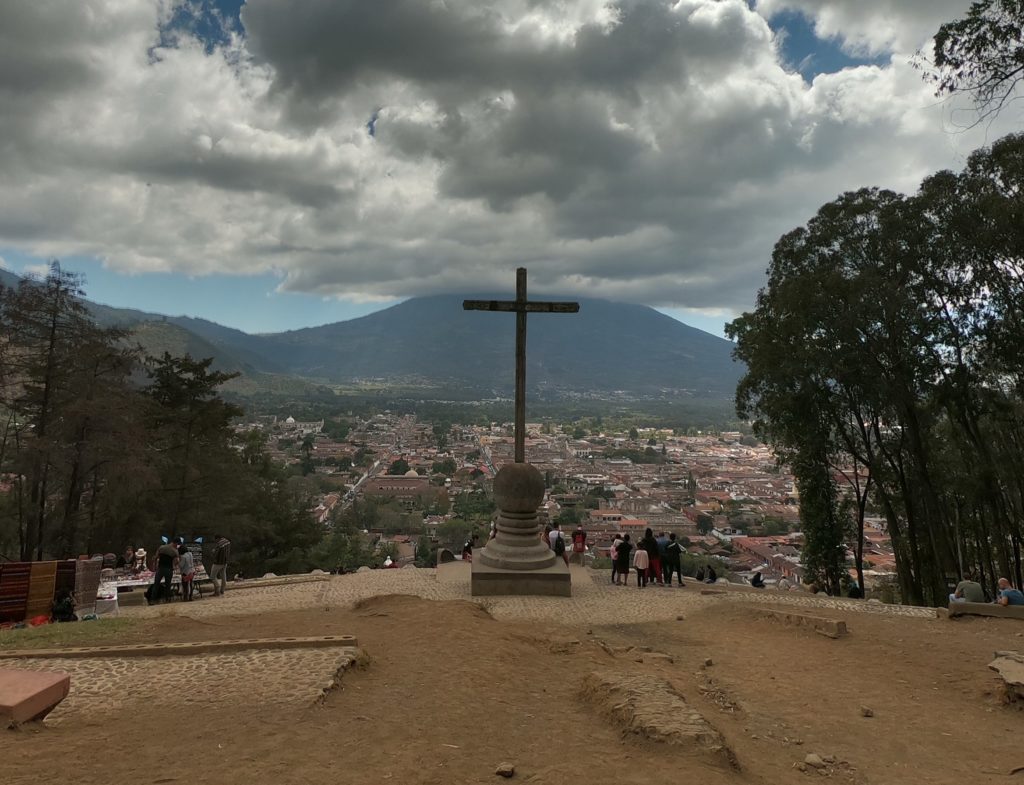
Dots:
(449, 693)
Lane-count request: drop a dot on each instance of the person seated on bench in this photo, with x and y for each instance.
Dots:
(1009, 595)
(757, 581)
(968, 590)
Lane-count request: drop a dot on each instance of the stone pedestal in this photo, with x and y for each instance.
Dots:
(517, 561)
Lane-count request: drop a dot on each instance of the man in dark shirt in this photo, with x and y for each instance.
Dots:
(673, 560)
(166, 559)
(219, 571)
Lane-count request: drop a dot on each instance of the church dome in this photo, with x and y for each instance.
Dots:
(412, 473)
(290, 421)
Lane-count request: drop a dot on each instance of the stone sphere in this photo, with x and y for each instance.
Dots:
(518, 487)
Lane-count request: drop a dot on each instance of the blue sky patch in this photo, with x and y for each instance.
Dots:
(809, 55)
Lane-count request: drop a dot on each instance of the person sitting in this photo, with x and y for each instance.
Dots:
(757, 581)
(63, 607)
(968, 590)
(712, 576)
(1009, 595)
(855, 592)
(699, 577)
(467, 548)
(783, 584)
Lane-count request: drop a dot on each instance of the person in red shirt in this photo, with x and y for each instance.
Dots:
(579, 543)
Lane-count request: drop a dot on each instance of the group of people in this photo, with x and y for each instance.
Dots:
(554, 538)
(656, 559)
(175, 555)
(971, 590)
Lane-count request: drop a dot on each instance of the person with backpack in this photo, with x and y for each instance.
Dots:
(558, 543)
(579, 544)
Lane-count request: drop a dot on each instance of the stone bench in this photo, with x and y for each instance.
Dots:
(28, 696)
(985, 609)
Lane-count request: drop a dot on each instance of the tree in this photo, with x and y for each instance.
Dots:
(64, 396)
(705, 524)
(398, 466)
(446, 467)
(880, 352)
(426, 556)
(192, 433)
(633, 433)
(981, 54)
(307, 454)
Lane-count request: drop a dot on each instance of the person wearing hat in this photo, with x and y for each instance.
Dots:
(139, 564)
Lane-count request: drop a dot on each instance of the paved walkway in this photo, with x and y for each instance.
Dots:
(594, 600)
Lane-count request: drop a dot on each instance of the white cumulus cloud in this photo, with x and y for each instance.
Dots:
(642, 150)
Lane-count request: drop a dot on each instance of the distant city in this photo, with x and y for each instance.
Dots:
(722, 492)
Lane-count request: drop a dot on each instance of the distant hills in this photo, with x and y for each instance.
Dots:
(606, 350)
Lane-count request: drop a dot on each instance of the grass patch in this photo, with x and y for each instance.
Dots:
(71, 634)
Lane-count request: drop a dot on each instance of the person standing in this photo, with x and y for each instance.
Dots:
(187, 568)
(623, 561)
(558, 543)
(579, 544)
(642, 564)
(673, 560)
(650, 544)
(614, 553)
(166, 560)
(662, 540)
(219, 571)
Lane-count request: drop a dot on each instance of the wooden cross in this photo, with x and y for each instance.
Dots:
(521, 306)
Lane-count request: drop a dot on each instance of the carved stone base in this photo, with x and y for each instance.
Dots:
(553, 581)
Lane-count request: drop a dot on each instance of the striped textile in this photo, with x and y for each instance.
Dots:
(65, 577)
(42, 581)
(14, 582)
(87, 583)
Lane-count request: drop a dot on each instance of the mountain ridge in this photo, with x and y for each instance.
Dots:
(608, 348)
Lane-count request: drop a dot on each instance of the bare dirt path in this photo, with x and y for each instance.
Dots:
(450, 692)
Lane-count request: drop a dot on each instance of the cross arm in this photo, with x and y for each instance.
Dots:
(516, 307)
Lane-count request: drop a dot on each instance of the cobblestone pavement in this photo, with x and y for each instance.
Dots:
(101, 685)
(594, 600)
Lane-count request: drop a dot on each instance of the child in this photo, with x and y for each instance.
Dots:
(641, 562)
(64, 607)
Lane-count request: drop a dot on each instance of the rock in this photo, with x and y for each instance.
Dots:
(814, 761)
(317, 572)
(708, 662)
(505, 770)
(680, 617)
(866, 711)
(363, 569)
(657, 656)
(269, 575)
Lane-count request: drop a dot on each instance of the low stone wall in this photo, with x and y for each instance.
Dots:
(830, 628)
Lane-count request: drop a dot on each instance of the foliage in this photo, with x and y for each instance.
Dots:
(446, 467)
(95, 457)
(981, 54)
(883, 358)
(398, 466)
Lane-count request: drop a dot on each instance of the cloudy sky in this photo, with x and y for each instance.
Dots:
(279, 164)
